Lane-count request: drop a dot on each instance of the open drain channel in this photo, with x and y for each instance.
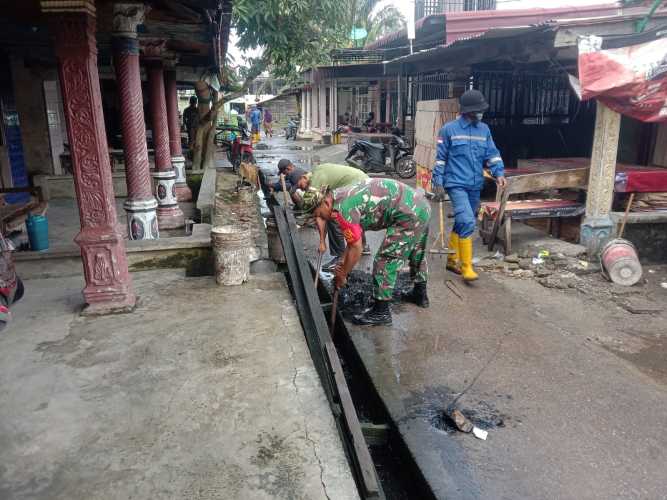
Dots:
(380, 461)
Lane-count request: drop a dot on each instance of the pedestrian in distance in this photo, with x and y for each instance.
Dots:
(464, 148)
(255, 121)
(191, 120)
(268, 123)
(379, 204)
(335, 177)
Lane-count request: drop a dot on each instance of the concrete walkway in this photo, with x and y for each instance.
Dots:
(193, 396)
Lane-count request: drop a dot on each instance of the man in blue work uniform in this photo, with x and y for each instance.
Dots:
(464, 148)
(255, 120)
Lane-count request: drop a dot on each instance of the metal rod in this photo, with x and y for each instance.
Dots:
(441, 206)
(318, 268)
(284, 186)
(334, 306)
(625, 215)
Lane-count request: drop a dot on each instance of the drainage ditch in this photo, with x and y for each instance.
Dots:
(396, 469)
(379, 459)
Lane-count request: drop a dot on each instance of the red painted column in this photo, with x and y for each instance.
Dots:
(387, 110)
(108, 283)
(169, 214)
(140, 205)
(183, 192)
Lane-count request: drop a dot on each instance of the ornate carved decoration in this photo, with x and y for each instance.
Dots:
(126, 17)
(153, 49)
(108, 284)
(603, 162)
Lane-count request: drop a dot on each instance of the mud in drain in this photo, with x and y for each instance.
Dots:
(433, 404)
(358, 294)
(478, 416)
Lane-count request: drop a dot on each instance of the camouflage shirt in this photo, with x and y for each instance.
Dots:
(380, 203)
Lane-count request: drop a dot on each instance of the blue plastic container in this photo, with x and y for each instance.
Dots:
(38, 232)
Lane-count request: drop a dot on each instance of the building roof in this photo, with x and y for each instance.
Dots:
(540, 42)
(466, 24)
(447, 27)
(470, 50)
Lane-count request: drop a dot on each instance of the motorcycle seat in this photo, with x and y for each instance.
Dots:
(372, 145)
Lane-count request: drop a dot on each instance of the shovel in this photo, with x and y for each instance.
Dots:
(443, 250)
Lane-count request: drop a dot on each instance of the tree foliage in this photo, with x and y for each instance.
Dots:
(376, 16)
(294, 34)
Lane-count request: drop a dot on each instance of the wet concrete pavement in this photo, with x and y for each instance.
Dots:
(303, 154)
(567, 418)
(192, 396)
(571, 386)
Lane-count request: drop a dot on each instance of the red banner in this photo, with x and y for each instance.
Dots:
(628, 74)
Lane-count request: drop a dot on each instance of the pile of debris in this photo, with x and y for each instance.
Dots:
(551, 270)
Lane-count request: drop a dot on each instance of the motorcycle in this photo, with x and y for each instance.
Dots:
(236, 141)
(291, 130)
(383, 158)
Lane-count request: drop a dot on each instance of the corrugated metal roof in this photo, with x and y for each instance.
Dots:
(443, 51)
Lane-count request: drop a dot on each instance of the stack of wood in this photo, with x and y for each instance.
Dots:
(647, 202)
(429, 119)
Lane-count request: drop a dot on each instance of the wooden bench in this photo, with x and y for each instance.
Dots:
(497, 217)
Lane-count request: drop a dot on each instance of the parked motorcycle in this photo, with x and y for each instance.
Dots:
(291, 130)
(383, 158)
(237, 143)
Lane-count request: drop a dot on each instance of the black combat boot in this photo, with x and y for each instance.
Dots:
(379, 314)
(417, 295)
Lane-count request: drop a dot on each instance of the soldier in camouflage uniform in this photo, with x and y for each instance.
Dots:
(377, 204)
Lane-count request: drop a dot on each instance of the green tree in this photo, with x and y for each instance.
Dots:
(295, 34)
(375, 16)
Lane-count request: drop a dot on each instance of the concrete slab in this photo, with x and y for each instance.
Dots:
(194, 395)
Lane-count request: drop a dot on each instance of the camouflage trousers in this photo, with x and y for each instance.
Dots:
(405, 241)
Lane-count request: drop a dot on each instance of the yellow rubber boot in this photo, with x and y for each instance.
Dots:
(465, 248)
(454, 259)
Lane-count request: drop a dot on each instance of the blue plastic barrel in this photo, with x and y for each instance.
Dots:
(38, 232)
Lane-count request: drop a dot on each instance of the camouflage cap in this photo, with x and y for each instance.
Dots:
(312, 198)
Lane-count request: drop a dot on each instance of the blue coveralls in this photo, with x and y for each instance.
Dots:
(463, 149)
(255, 119)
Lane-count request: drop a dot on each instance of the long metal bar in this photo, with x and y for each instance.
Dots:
(325, 357)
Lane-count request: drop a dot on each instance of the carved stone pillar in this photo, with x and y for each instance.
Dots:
(169, 214)
(309, 108)
(140, 205)
(597, 226)
(183, 192)
(108, 284)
